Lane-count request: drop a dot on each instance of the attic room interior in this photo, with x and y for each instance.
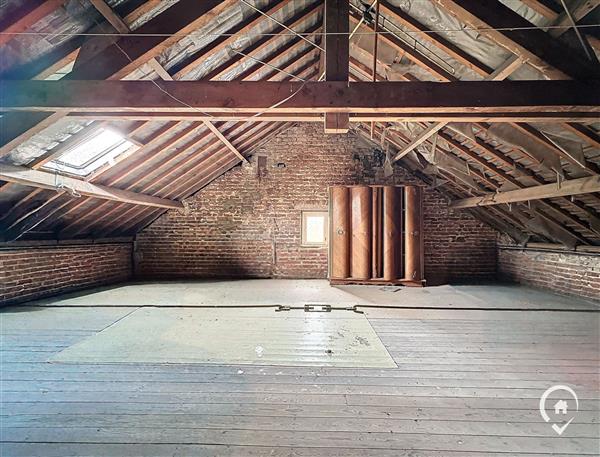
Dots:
(300, 228)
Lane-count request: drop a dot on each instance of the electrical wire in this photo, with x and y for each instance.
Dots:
(275, 105)
(302, 34)
(281, 24)
(266, 64)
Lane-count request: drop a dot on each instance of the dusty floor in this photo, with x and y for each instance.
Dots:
(300, 292)
(465, 382)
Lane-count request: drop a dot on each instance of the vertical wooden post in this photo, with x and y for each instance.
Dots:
(340, 232)
(392, 233)
(361, 233)
(337, 56)
(413, 234)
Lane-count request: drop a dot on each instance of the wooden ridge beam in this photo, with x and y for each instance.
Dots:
(51, 181)
(460, 97)
(565, 188)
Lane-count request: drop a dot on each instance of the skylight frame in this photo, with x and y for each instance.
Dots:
(107, 155)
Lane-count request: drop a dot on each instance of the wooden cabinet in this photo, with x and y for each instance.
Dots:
(376, 235)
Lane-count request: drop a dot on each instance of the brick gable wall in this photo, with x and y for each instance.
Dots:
(244, 225)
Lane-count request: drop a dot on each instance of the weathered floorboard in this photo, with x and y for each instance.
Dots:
(466, 384)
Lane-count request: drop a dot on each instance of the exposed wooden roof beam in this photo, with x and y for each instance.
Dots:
(565, 188)
(225, 141)
(51, 181)
(121, 27)
(24, 17)
(113, 18)
(521, 172)
(134, 223)
(226, 39)
(409, 50)
(337, 54)
(493, 99)
(211, 165)
(424, 32)
(120, 59)
(546, 8)
(547, 54)
(261, 44)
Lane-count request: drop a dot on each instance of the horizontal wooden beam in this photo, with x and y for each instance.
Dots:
(566, 188)
(588, 116)
(51, 181)
(485, 98)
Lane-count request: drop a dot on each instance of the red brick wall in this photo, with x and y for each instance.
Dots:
(575, 274)
(36, 272)
(244, 226)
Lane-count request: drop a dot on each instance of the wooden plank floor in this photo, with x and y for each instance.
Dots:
(468, 383)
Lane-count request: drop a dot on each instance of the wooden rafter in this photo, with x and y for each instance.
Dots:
(174, 172)
(52, 181)
(225, 141)
(181, 185)
(27, 15)
(231, 35)
(120, 59)
(563, 189)
(511, 31)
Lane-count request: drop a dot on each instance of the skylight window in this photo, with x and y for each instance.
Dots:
(86, 157)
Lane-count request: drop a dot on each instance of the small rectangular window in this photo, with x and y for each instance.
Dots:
(103, 147)
(314, 228)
